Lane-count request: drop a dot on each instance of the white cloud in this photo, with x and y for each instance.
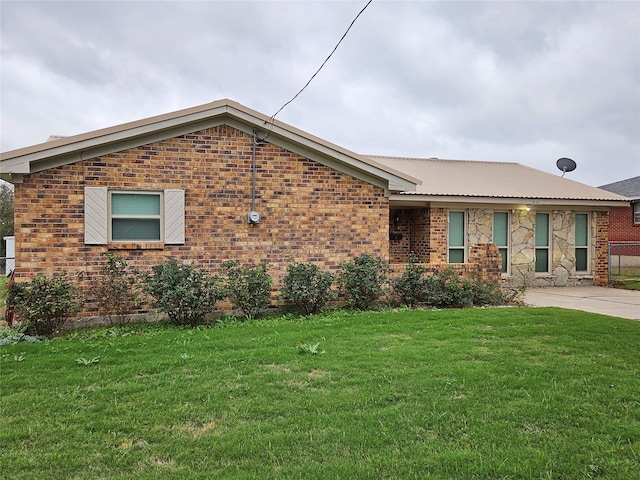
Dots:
(508, 81)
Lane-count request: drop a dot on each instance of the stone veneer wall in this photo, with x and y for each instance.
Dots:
(310, 212)
(562, 224)
(563, 273)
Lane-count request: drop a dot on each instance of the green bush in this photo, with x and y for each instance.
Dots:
(248, 287)
(363, 280)
(447, 289)
(410, 286)
(186, 293)
(44, 304)
(489, 293)
(306, 288)
(115, 292)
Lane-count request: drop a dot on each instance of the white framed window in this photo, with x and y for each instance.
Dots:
(582, 242)
(501, 234)
(135, 216)
(456, 251)
(636, 212)
(543, 242)
(112, 216)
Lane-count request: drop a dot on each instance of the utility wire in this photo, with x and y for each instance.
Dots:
(323, 63)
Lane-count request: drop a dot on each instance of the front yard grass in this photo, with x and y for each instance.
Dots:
(479, 393)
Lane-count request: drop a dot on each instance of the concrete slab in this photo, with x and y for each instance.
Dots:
(615, 302)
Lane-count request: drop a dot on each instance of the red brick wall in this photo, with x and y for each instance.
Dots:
(621, 226)
(413, 226)
(400, 235)
(309, 212)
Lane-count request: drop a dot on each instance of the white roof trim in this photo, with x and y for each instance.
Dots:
(75, 148)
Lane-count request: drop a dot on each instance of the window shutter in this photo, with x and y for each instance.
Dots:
(95, 215)
(174, 216)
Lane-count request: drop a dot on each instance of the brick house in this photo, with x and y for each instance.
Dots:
(624, 221)
(221, 181)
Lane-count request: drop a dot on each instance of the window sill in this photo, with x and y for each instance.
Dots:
(136, 246)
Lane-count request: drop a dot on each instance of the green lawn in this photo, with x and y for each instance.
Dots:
(483, 393)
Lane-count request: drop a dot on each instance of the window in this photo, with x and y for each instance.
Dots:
(582, 242)
(501, 237)
(542, 256)
(636, 213)
(133, 216)
(456, 250)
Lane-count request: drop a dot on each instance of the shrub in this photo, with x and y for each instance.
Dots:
(363, 281)
(447, 289)
(44, 304)
(306, 288)
(410, 286)
(186, 293)
(248, 288)
(116, 291)
(489, 293)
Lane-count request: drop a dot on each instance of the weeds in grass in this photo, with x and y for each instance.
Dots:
(491, 393)
(311, 348)
(85, 362)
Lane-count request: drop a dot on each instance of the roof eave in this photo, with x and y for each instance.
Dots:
(68, 150)
(421, 199)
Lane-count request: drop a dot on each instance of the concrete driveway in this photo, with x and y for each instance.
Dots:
(615, 302)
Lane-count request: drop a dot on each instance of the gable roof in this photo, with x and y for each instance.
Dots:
(66, 150)
(629, 187)
(493, 182)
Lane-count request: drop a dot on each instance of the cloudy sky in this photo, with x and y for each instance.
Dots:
(528, 82)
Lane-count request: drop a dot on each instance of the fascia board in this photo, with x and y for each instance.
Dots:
(331, 157)
(408, 200)
(14, 165)
(90, 146)
(112, 142)
(315, 154)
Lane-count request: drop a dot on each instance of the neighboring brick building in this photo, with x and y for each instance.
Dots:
(185, 184)
(624, 222)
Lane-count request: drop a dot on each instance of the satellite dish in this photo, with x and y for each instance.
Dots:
(566, 165)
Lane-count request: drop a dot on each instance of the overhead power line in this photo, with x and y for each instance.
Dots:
(323, 63)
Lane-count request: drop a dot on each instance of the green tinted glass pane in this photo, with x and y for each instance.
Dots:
(134, 204)
(542, 230)
(542, 260)
(581, 259)
(456, 256)
(582, 230)
(501, 228)
(503, 254)
(135, 229)
(456, 229)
